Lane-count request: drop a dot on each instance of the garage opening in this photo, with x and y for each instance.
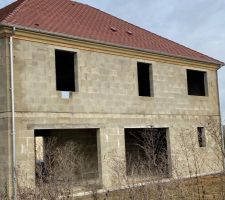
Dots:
(66, 156)
(146, 152)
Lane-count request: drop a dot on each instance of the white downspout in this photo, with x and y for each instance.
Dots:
(14, 179)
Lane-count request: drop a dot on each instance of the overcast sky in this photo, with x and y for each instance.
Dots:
(198, 24)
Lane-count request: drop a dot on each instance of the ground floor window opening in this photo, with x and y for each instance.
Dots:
(66, 157)
(146, 152)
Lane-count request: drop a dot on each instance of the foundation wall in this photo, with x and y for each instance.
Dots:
(107, 99)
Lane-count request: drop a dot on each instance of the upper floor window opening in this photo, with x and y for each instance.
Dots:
(197, 82)
(145, 82)
(65, 70)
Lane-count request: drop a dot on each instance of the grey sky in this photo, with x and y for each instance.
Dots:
(198, 24)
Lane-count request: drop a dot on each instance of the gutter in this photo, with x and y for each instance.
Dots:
(13, 133)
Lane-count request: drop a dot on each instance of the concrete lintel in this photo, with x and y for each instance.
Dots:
(145, 126)
(64, 126)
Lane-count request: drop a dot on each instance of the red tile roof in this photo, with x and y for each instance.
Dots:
(79, 20)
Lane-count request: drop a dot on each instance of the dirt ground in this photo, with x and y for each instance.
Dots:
(200, 188)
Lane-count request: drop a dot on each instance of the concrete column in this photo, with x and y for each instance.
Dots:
(25, 153)
(111, 156)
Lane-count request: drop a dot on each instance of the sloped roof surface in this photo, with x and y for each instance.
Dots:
(80, 20)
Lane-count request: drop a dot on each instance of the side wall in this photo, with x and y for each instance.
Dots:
(108, 100)
(4, 115)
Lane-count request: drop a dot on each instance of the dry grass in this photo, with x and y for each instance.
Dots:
(213, 188)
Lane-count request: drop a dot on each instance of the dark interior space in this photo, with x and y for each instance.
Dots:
(66, 154)
(201, 137)
(144, 79)
(65, 74)
(146, 152)
(196, 81)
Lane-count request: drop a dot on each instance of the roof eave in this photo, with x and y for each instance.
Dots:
(219, 63)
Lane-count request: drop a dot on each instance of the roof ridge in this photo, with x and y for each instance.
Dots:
(18, 3)
(139, 27)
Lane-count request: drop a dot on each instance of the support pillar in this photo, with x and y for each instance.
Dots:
(111, 156)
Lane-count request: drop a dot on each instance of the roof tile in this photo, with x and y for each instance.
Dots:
(80, 20)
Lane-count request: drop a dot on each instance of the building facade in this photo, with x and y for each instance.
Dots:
(92, 92)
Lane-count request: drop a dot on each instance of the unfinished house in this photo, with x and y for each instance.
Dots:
(82, 89)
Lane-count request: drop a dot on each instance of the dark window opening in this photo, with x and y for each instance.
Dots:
(201, 137)
(144, 79)
(197, 82)
(65, 74)
(146, 152)
(66, 156)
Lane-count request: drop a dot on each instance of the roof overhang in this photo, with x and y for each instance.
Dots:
(45, 36)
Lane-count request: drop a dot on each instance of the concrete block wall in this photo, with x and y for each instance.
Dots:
(4, 155)
(107, 99)
(4, 71)
(107, 84)
(182, 139)
(5, 146)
